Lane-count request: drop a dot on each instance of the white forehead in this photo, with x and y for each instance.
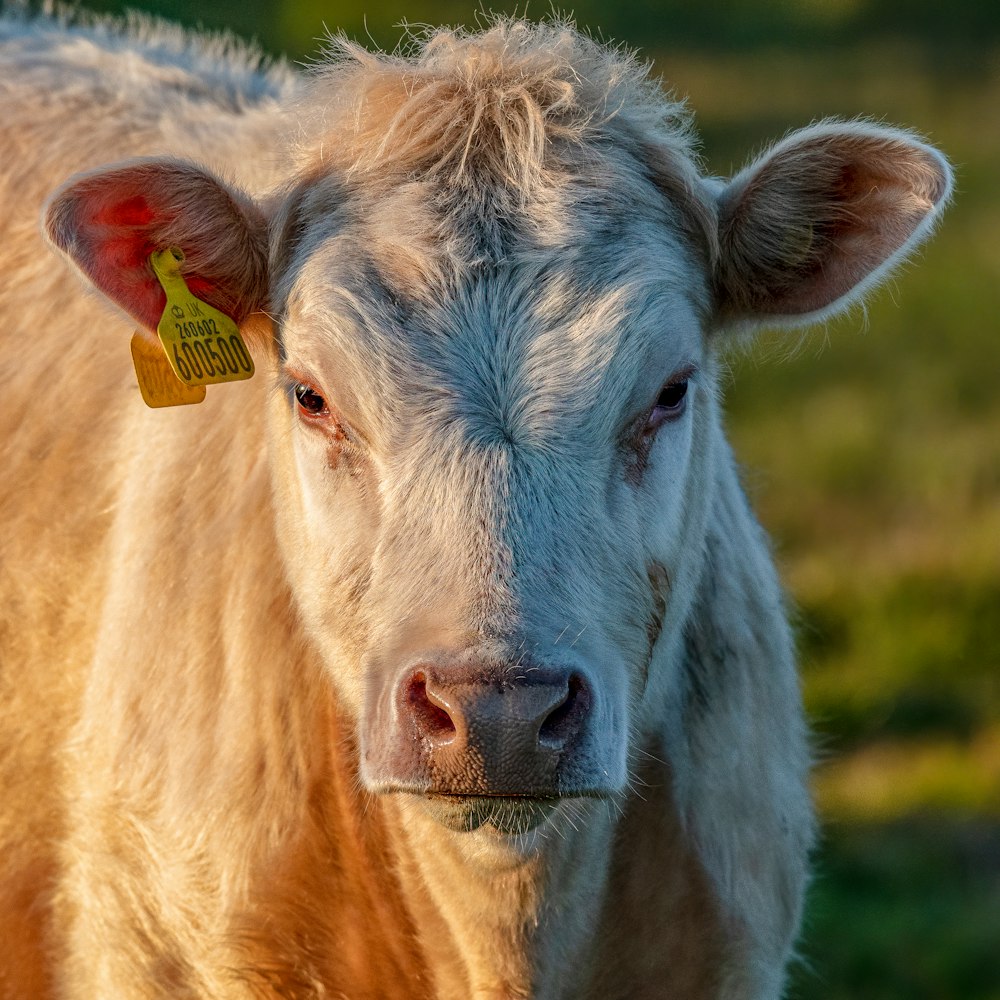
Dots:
(563, 325)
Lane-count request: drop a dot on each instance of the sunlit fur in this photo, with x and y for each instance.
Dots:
(489, 256)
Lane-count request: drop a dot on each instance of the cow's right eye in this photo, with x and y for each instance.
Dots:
(310, 400)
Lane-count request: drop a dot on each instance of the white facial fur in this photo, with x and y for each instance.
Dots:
(493, 494)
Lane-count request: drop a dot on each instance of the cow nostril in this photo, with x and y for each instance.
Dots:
(563, 722)
(433, 720)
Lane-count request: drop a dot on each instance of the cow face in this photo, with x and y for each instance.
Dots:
(492, 487)
(493, 427)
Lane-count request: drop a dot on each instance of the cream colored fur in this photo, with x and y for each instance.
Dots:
(490, 256)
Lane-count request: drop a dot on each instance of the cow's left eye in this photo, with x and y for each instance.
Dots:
(672, 396)
(310, 401)
(670, 404)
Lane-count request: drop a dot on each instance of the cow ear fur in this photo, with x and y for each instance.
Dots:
(820, 218)
(110, 220)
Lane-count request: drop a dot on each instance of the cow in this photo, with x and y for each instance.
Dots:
(444, 657)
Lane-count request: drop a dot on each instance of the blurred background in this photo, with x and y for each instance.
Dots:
(872, 454)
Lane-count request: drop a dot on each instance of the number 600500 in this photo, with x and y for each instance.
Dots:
(198, 358)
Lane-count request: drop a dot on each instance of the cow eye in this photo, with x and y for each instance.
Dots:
(669, 405)
(310, 401)
(672, 396)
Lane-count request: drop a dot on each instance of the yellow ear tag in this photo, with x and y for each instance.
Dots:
(203, 346)
(157, 382)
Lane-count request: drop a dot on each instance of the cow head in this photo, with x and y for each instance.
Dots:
(500, 287)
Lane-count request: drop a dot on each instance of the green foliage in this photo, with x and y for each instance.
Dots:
(291, 26)
(905, 910)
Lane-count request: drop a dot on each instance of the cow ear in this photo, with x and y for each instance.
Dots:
(820, 218)
(110, 220)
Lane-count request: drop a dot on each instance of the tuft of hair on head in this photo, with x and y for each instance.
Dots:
(458, 105)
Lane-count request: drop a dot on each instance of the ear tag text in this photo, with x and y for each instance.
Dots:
(203, 345)
(157, 382)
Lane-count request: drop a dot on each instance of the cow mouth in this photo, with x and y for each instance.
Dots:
(506, 814)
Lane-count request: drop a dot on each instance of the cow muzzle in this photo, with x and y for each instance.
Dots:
(496, 745)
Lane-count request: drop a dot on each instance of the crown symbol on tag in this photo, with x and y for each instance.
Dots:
(177, 312)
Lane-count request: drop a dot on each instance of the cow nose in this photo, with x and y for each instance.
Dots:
(542, 711)
(488, 733)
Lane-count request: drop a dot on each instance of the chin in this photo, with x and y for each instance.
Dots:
(503, 816)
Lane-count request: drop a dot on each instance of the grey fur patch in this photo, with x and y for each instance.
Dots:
(659, 588)
(707, 651)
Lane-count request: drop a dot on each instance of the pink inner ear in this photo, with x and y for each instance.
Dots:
(821, 216)
(130, 212)
(121, 269)
(110, 222)
(126, 251)
(201, 287)
(123, 232)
